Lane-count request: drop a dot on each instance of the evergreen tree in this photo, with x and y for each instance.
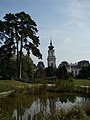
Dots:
(7, 68)
(84, 73)
(27, 69)
(40, 73)
(18, 32)
(62, 73)
(50, 72)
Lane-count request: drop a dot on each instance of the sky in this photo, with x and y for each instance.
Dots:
(66, 22)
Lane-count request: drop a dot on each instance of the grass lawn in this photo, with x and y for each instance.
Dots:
(82, 82)
(85, 118)
(6, 85)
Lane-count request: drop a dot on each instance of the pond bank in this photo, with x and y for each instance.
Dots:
(8, 87)
(7, 93)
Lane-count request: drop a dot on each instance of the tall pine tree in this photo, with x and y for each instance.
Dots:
(18, 32)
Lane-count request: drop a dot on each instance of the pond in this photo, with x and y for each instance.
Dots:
(25, 107)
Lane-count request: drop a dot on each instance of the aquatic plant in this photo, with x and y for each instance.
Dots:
(75, 113)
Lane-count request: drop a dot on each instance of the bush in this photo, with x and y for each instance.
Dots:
(75, 113)
(36, 90)
(63, 86)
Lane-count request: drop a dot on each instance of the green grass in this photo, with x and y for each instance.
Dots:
(21, 87)
(82, 82)
(86, 118)
(6, 85)
(70, 86)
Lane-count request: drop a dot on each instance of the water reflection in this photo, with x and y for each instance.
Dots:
(83, 100)
(48, 106)
(64, 105)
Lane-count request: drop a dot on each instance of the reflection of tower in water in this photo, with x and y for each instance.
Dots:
(48, 106)
(36, 107)
(52, 105)
(29, 112)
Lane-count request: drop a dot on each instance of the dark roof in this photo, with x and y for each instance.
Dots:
(51, 46)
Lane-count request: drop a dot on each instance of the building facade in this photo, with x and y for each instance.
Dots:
(51, 59)
(74, 68)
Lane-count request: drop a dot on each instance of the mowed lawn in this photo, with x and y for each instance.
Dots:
(82, 82)
(6, 85)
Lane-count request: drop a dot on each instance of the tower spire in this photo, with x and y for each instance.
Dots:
(51, 56)
(51, 41)
(51, 46)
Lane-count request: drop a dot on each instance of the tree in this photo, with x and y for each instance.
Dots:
(19, 32)
(62, 73)
(7, 68)
(84, 73)
(50, 72)
(27, 69)
(40, 73)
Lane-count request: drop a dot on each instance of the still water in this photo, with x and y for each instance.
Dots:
(26, 107)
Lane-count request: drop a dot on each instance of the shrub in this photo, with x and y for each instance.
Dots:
(36, 90)
(75, 113)
(63, 86)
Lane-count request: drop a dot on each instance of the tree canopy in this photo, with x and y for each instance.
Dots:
(18, 33)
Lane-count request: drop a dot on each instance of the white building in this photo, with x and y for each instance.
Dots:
(75, 67)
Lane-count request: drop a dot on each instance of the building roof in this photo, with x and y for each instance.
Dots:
(51, 46)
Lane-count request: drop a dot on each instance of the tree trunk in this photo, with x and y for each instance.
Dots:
(17, 59)
(20, 61)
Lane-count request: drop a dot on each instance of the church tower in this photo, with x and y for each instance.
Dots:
(51, 56)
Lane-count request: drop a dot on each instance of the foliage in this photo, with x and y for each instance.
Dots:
(8, 117)
(50, 71)
(84, 73)
(36, 90)
(63, 86)
(60, 86)
(62, 73)
(40, 73)
(7, 68)
(75, 113)
(27, 69)
(18, 32)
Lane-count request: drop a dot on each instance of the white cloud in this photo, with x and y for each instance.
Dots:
(70, 33)
(78, 9)
(67, 40)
